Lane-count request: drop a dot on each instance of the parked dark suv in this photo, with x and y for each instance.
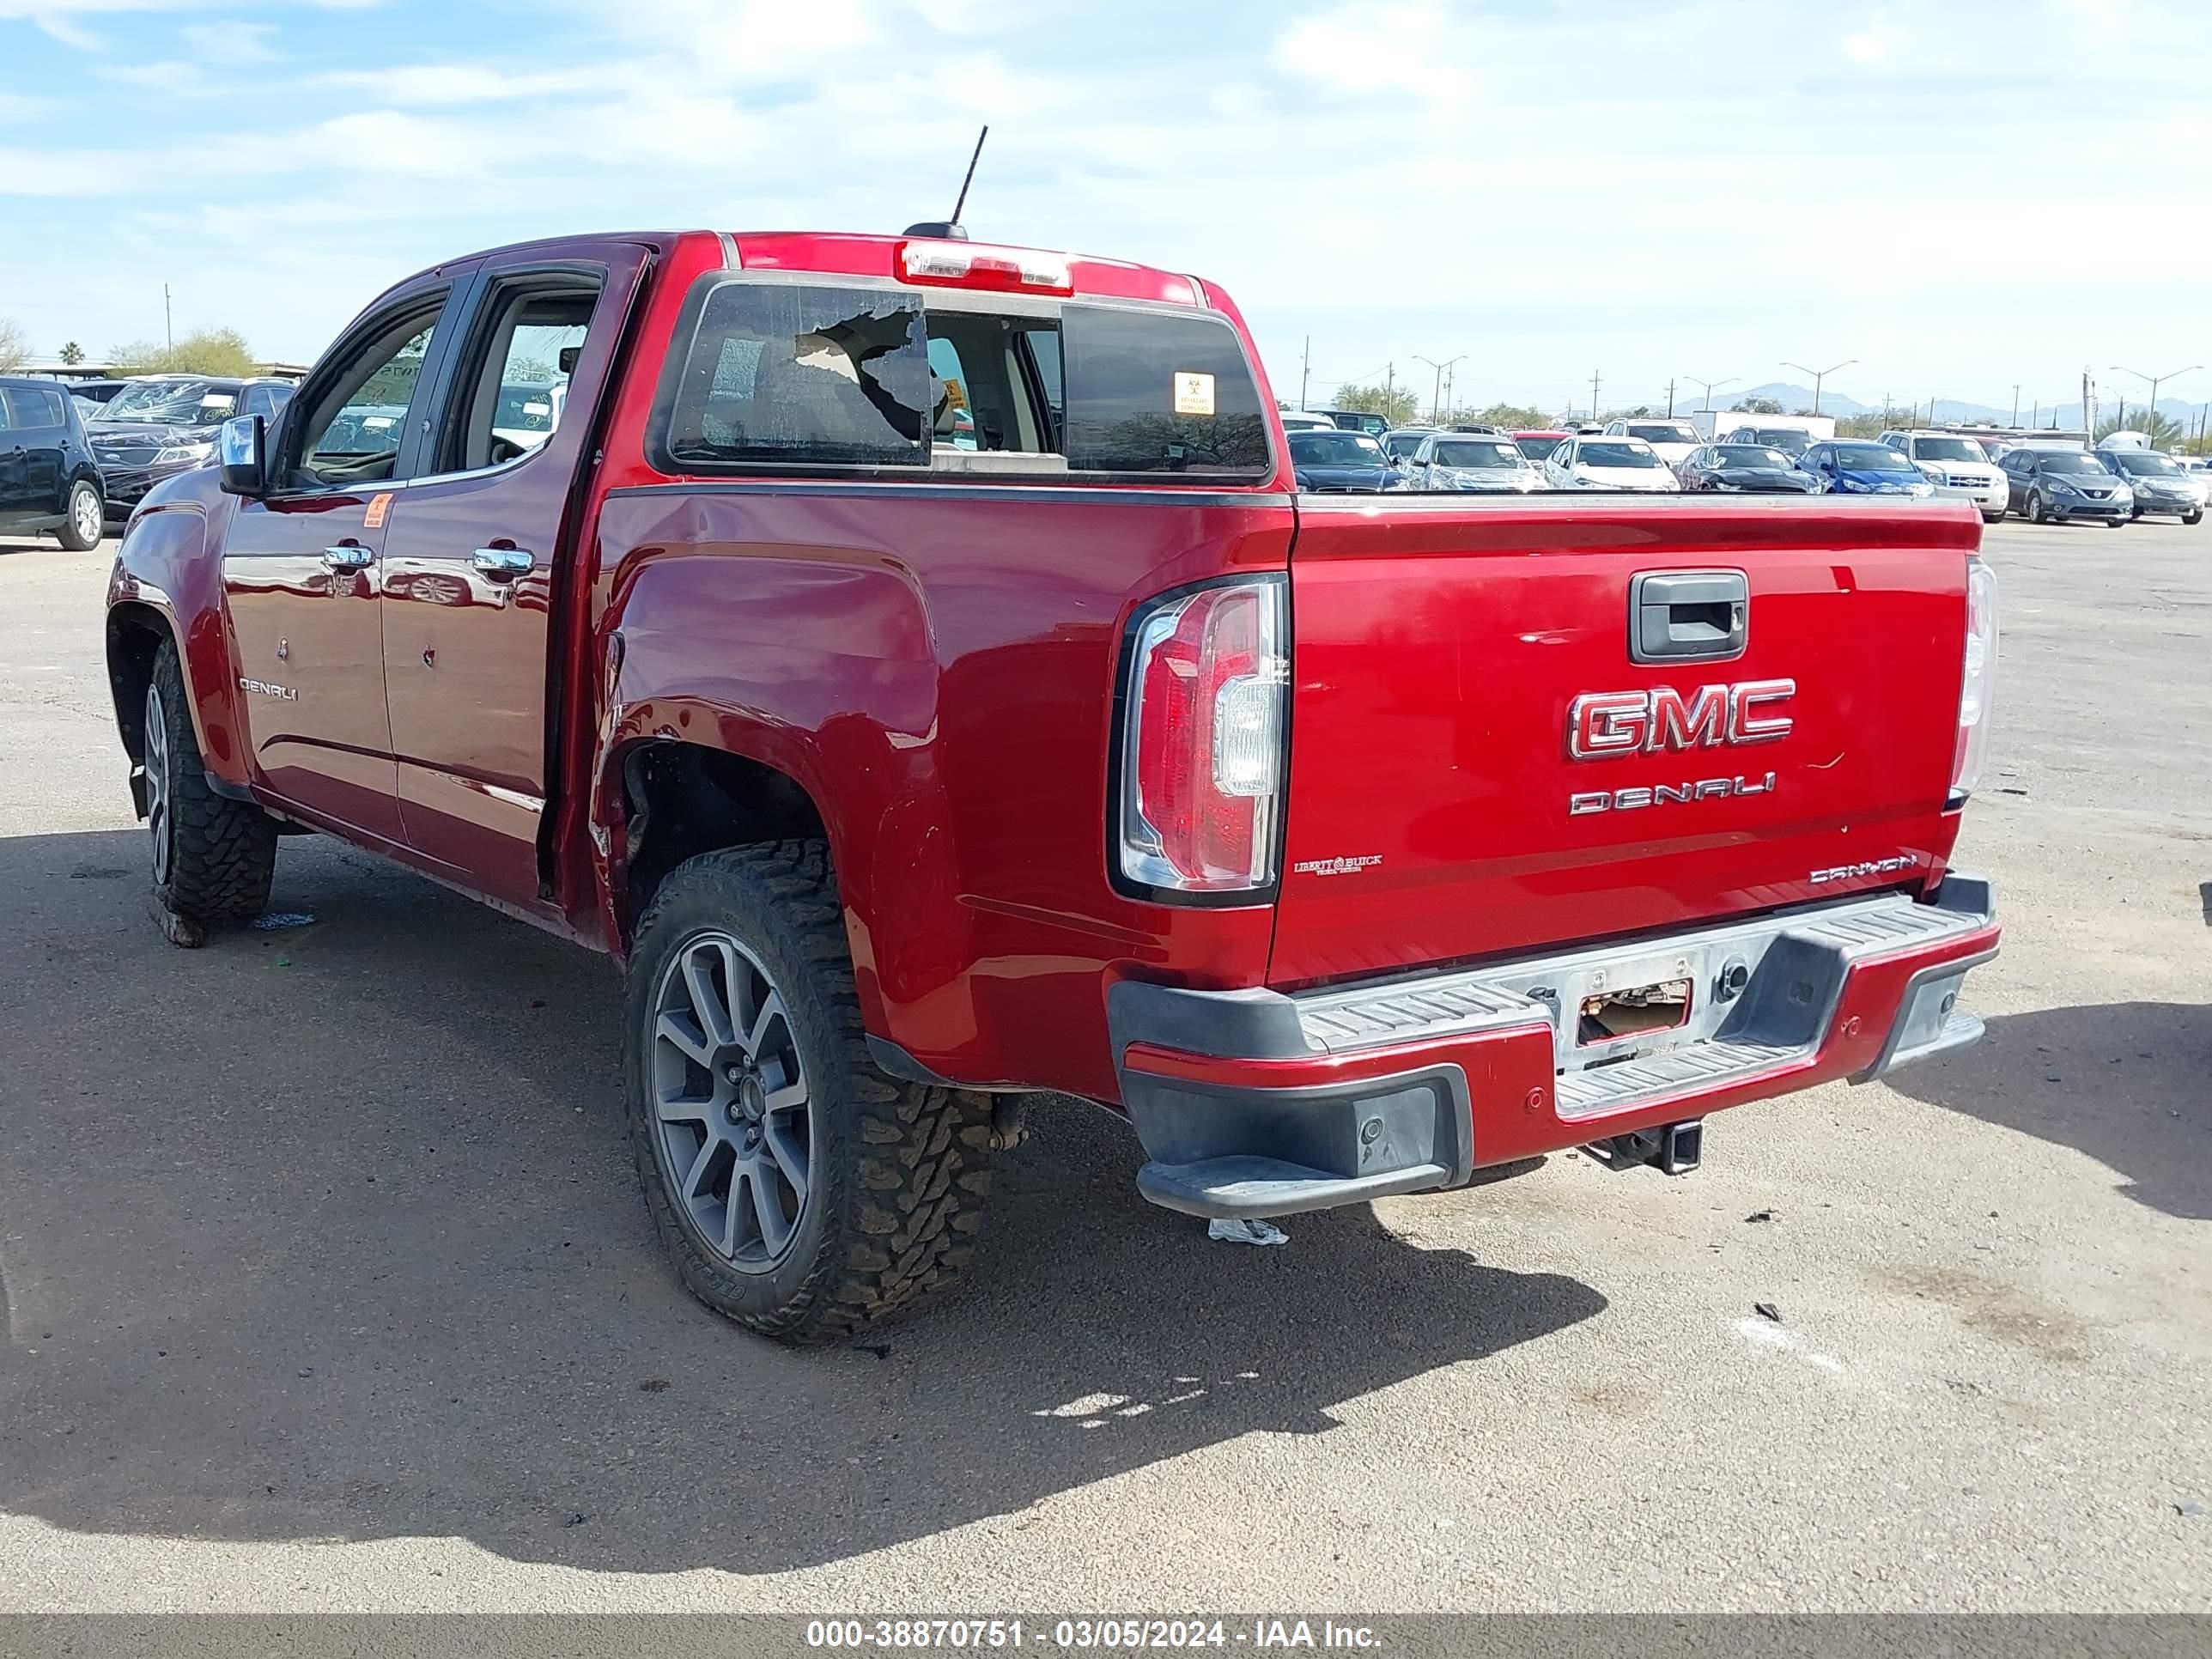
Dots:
(48, 479)
(166, 425)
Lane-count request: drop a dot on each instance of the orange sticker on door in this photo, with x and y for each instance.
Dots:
(379, 509)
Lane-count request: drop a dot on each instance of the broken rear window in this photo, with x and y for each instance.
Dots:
(778, 372)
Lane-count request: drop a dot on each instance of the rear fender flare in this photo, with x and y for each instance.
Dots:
(826, 674)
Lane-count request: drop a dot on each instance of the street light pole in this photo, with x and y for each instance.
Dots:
(1818, 375)
(2122, 369)
(1705, 404)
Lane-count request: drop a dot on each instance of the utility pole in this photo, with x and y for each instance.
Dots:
(2088, 405)
(1818, 375)
(1305, 371)
(2015, 405)
(168, 325)
(1670, 400)
(1437, 394)
(1593, 395)
(1705, 405)
(1389, 389)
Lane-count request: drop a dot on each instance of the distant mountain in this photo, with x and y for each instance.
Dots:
(1795, 398)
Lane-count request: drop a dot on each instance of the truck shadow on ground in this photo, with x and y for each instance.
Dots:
(2126, 1083)
(331, 1231)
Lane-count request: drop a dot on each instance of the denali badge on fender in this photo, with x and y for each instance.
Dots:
(1604, 724)
(1667, 794)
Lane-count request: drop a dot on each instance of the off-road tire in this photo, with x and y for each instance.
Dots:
(221, 853)
(897, 1172)
(71, 533)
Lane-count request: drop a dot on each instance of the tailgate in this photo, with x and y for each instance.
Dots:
(1441, 650)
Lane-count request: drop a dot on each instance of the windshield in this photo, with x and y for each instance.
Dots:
(1663, 432)
(1788, 440)
(172, 403)
(1617, 453)
(1750, 455)
(2142, 462)
(1536, 448)
(1399, 443)
(1490, 452)
(1948, 449)
(1334, 448)
(1870, 457)
(2076, 461)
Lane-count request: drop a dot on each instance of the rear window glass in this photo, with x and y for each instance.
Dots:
(1151, 392)
(788, 373)
(822, 375)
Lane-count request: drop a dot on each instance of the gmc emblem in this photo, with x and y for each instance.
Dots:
(1603, 724)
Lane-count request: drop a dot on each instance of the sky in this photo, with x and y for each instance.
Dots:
(1962, 196)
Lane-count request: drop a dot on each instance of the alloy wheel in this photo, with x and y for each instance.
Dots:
(157, 781)
(84, 509)
(732, 1102)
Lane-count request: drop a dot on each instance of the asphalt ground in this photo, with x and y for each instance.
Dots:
(325, 1283)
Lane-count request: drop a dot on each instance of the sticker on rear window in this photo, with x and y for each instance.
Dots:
(1193, 393)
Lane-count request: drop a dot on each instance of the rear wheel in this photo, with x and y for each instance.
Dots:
(213, 857)
(799, 1191)
(80, 532)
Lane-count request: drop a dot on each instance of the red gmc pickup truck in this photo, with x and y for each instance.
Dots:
(912, 660)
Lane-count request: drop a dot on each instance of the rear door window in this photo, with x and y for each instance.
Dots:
(1152, 392)
(33, 408)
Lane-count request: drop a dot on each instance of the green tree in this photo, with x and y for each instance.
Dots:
(1756, 406)
(72, 353)
(2163, 430)
(203, 351)
(1396, 405)
(1872, 425)
(14, 351)
(1511, 417)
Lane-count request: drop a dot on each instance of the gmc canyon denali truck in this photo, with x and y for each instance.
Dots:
(910, 659)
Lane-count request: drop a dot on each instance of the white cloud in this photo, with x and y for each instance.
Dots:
(230, 41)
(174, 76)
(1366, 48)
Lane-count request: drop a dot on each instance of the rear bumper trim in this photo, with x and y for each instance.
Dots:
(1350, 1093)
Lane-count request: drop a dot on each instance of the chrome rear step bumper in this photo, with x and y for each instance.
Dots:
(1255, 1102)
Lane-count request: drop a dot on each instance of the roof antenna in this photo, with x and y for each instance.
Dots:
(952, 229)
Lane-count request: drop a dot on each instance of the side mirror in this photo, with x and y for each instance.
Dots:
(242, 449)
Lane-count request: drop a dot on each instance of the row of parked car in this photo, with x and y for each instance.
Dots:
(2039, 478)
(76, 455)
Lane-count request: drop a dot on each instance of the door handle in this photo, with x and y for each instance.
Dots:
(503, 563)
(1698, 615)
(348, 555)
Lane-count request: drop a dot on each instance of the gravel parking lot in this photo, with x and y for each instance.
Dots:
(325, 1282)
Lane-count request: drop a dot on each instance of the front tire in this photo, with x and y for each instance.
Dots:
(80, 529)
(2034, 508)
(799, 1190)
(2192, 518)
(2117, 523)
(213, 857)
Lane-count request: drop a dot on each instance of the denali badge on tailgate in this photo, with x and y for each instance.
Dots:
(1604, 724)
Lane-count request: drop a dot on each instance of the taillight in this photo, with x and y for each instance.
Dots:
(1202, 741)
(1978, 683)
(982, 264)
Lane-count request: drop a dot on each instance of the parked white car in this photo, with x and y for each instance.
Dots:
(1671, 440)
(1463, 460)
(2198, 471)
(1595, 461)
(1301, 419)
(1959, 468)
